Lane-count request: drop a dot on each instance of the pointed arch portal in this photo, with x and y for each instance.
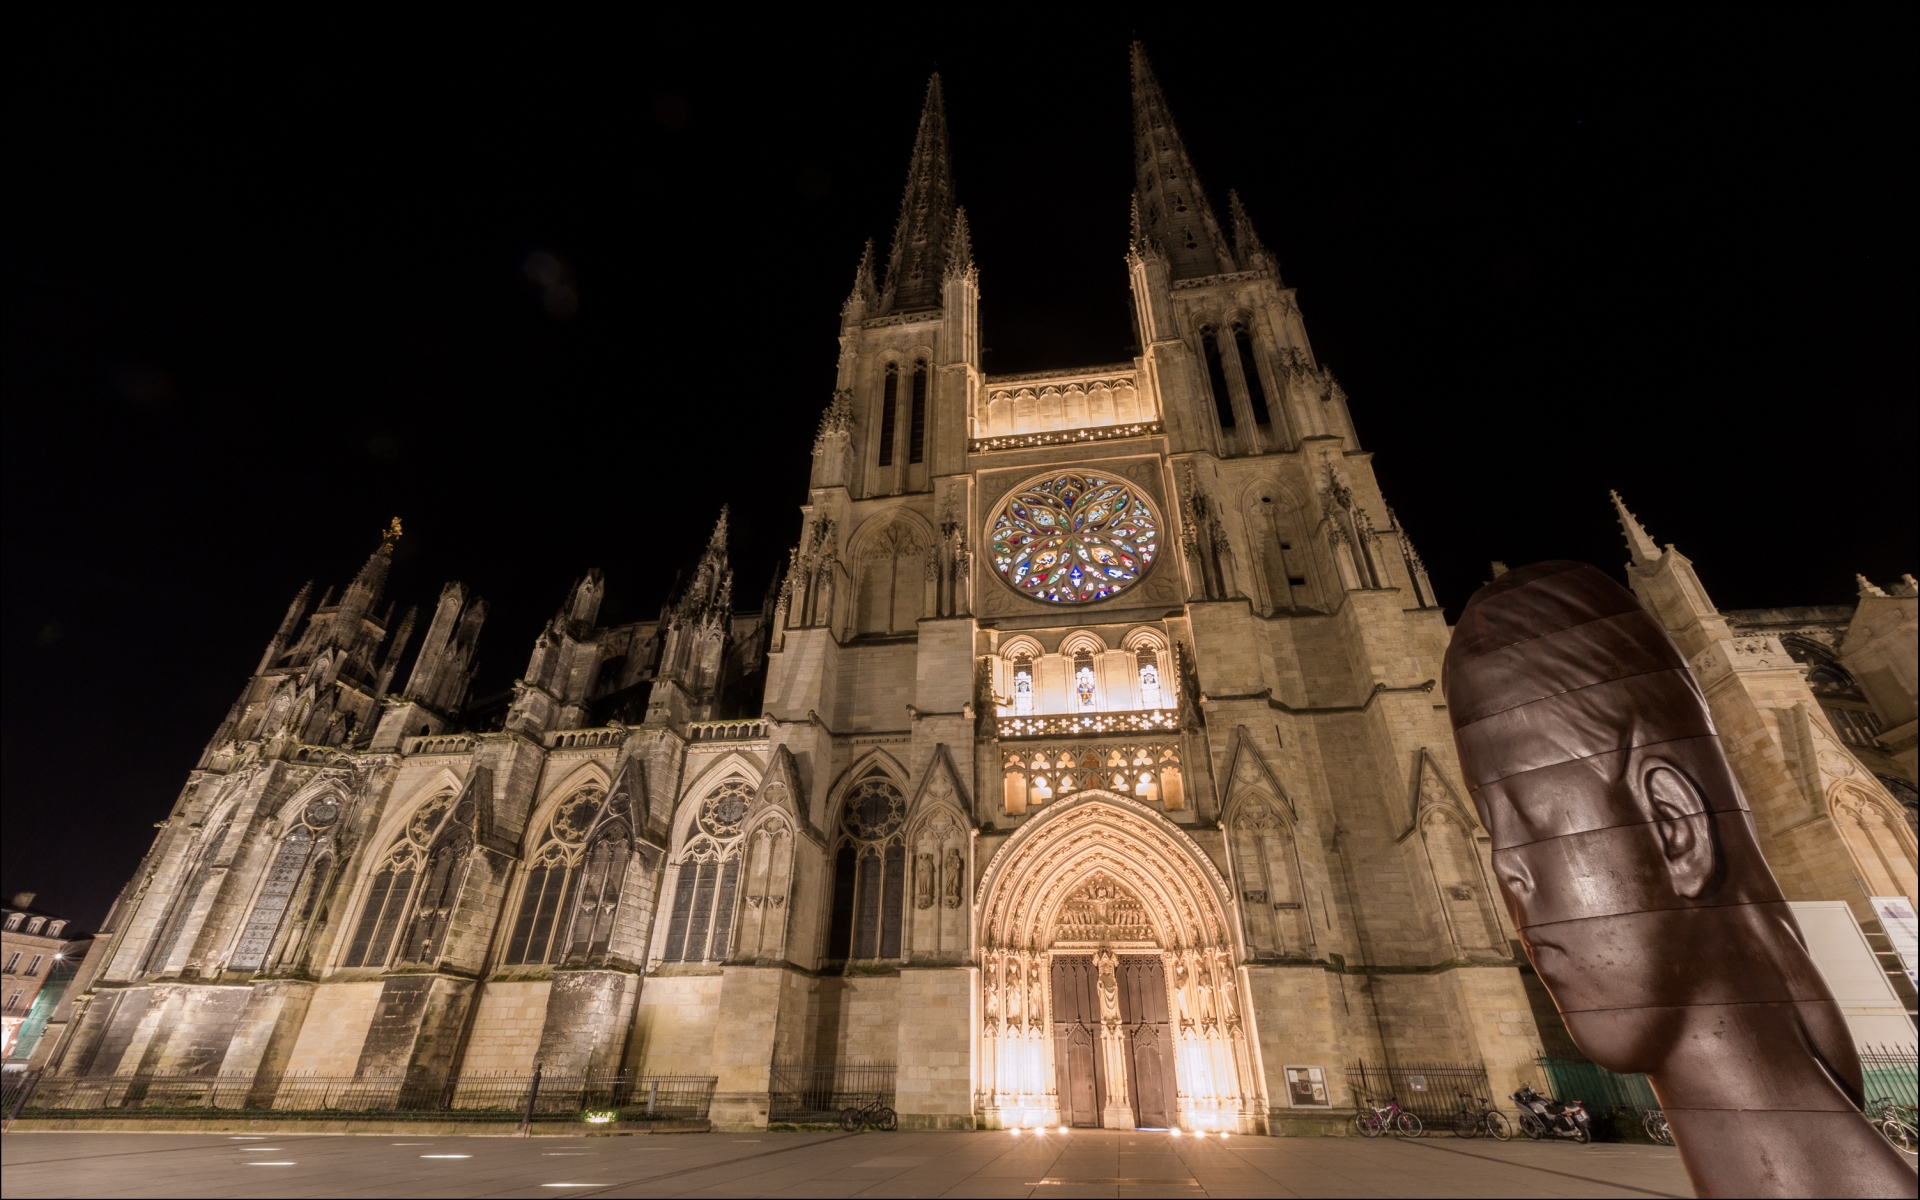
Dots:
(1110, 994)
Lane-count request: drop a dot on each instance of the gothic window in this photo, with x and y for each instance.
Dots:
(1457, 874)
(1256, 391)
(1217, 378)
(892, 596)
(1086, 694)
(163, 947)
(889, 400)
(1147, 659)
(302, 859)
(700, 923)
(572, 891)
(917, 424)
(1267, 871)
(1023, 686)
(433, 850)
(869, 885)
(1073, 538)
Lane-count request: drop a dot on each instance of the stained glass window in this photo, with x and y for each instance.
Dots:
(1074, 538)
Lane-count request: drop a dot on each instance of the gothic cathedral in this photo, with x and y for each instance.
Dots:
(1087, 765)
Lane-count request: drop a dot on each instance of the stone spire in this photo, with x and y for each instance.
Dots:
(917, 264)
(1639, 543)
(1173, 207)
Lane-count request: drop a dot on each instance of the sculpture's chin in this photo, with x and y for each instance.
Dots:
(1629, 1041)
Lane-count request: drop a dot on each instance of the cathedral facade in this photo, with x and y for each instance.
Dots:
(1088, 764)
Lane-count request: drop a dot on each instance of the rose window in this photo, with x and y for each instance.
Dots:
(1074, 538)
(576, 814)
(723, 811)
(874, 809)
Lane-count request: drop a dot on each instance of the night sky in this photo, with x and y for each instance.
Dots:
(554, 290)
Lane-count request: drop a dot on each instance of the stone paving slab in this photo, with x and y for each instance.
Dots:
(1088, 1163)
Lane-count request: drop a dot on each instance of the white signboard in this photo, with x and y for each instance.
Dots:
(1903, 929)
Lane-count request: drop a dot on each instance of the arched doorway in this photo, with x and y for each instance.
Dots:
(1109, 989)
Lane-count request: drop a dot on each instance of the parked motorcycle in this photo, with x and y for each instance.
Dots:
(1544, 1117)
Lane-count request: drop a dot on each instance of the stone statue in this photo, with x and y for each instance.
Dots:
(923, 881)
(1630, 865)
(955, 881)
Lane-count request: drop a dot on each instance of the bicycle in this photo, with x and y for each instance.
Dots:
(1895, 1121)
(1477, 1116)
(1655, 1123)
(1387, 1119)
(871, 1113)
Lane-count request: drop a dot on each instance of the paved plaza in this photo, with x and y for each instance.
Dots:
(1054, 1166)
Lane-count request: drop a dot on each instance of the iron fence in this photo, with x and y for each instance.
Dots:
(477, 1096)
(1431, 1091)
(809, 1090)
(1890, 1074)
(1599, 1089)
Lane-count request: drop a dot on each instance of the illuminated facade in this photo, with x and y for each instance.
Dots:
(1087, 763)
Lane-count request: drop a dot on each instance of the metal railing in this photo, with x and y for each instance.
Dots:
(1890, 1073)
(1596, 1087)
(472, 1096)
(809, 1090)
(1430, 1091)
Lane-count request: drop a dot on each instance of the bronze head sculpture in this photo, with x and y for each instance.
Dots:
(1631, 867)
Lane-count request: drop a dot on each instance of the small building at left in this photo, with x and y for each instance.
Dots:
(40, 953)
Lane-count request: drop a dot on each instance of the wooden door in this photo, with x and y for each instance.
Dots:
(1143, 1014)
(1076, 1043)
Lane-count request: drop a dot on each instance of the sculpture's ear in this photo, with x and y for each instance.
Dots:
(1681, 824)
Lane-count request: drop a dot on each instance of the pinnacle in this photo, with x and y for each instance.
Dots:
(1640, 544)
(719, 539)
(959, 246)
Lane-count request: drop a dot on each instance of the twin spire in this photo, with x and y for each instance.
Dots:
(1172, 216)
(931, 235)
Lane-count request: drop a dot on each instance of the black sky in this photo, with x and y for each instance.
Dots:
(266, 284)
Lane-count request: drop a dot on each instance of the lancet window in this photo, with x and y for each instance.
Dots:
(1147, 659)
(892, 596)
(1266, 864)
(1256, 391)
(572, 890)
(162, 947)
(917, 422)
(408, 908)
(301, 863)
(889, 400)
(1023, 686)
(700, 922)
(1217, 378)
(869, 872)
(1086, 692)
